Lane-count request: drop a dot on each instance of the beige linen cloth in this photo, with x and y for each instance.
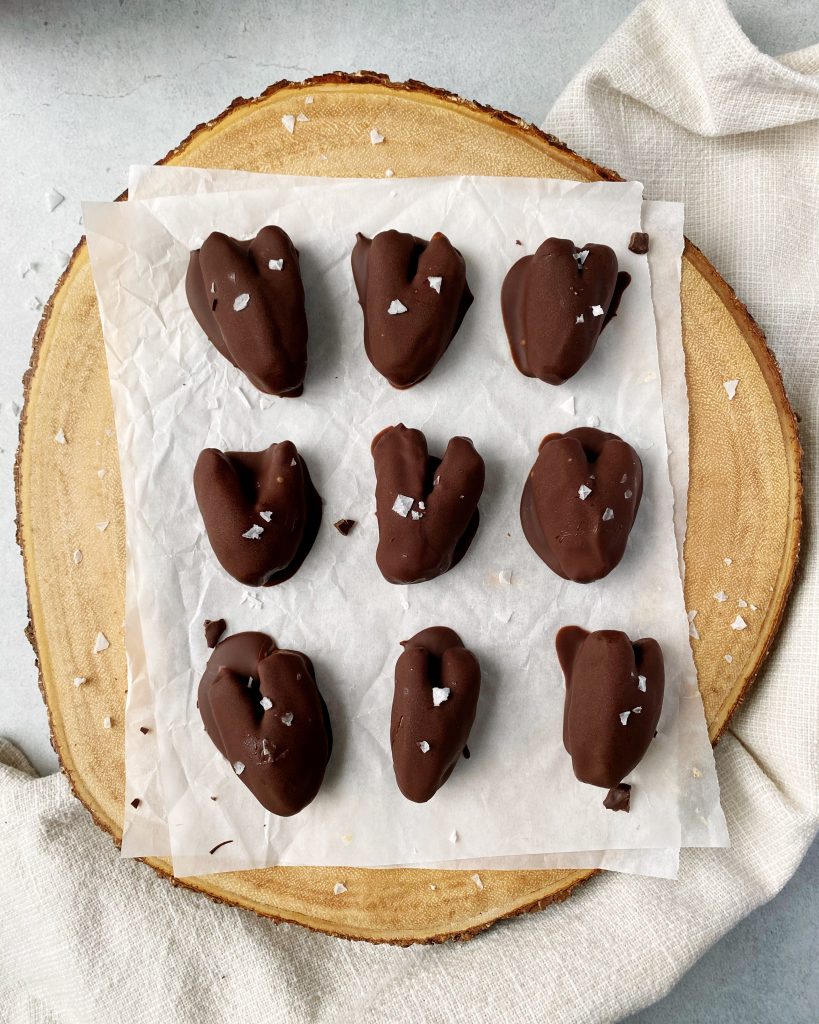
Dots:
(680, 99)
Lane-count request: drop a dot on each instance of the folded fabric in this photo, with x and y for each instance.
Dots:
(680, 99)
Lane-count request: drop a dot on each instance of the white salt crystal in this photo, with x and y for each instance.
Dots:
(641, 684)
(638, 710)
(417, 515)
(77, 556)
(627, 494)
(101, 473)
(505, 576)
(402, 505)
(102, 526)
(730, 388)
(453, 836)
(106, 722)
(624, 717)
(339, 888)
(396, 307)
(423, 746)
(597, 311)
(375, 136)
(267, 516)
(477, 880)
(254, 532)
(287, 718)
(79, 681)
(583, 491)
(739, 623)
(241, 301)
(593, 421)
(389, 173)
(568, 405)
(439, 695)
(238, 767)
(581, 257)
(720, 596)
(308, 99)
(742, 604)
(289, 122)
(580, 319)
(275, 264)
(53, 199)
(435, 283)
(728, 658)
(302, 117)
(266, 703)
(101, 643)
(693, 632)
(608, 515)
(59, 437)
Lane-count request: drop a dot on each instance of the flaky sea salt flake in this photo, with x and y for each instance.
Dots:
(339, 889)
(641, 684)
(608, 515)
(302, 117)
(402, 505)
(275, 264)
(241, 302)
(267, 516)
(730, 388)
(238, 767)
(597, 311)
(423, 746)
(477, 880)
(583, 492)
(693, 632)
(435, 283)
(742, 604)
(106, 722)
(375, 137)
(287, 718)
(739, 623)
(624, 717)
(266, 703)
(80, 681)
(101, 643)
(439, 695)
(60, 437)
(720, 596)
(396, 307)
(77, 556)
(581, 257)
(102, 526)
(53, 199)
(453, 836)
(568, 405)
(254, 533)
(389, 173)
(289, 122)
(728, 561)
(728, 658)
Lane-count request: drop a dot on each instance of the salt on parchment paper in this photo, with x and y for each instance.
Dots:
(173, 397)
(702, 823)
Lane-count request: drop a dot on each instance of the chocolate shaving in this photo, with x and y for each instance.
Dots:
(135, 802)
(638, 243)
(144, 730)
(214, 628)
(618, 798)
(219, 845)
(344, 526)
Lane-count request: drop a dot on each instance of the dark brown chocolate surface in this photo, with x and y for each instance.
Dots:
(580, 501)
(638, 243)
(263, 711)
(249, 300)
(393, 270)
(618, 798)
(267, 496)
(427, 740)
(214, 628)
(344, 526)
(614, 696)
(555, 304)
(427, 508)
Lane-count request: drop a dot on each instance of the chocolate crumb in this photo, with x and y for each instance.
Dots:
(135, 802)
(220, 845)
(344, 526)
(144, 730)
(214, 628)
(467, 755)
(638, 243)
(618, 798)
(213, 798)
(518, 242)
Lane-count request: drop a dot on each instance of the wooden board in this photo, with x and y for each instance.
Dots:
(744, 500)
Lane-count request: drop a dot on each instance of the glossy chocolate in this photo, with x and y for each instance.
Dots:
(249, 300)
(214, 628)
(260, 509)
(263, 711)
(414, 296)
(427, 508)
(614, 696)
(437, 683)
(555, 304)
(580, 501)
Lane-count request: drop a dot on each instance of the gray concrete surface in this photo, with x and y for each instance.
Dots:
(89, 86)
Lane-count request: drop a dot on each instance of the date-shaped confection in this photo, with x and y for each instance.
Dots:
(614, 696)
(437, 683)
(555, 304)
(249, 300)
(580, 501)
(414, 296)
(263, 711)
(427, 508)
(260, 510)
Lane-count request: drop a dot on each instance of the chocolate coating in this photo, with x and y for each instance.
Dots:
(252, 312)
(618, 798)
(432, 535)
(608, 720)
(282, 765)
(433, 658)
(214, 628)
(549, 302)
(404, 347)
(582, 539)
(268, 494)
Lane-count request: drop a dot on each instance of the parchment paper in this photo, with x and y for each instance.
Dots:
(173, 397)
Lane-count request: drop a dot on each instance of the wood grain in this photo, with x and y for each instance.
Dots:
(744, 501)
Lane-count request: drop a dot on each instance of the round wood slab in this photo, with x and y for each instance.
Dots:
(744, 500)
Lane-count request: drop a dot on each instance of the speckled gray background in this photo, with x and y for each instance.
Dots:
(89, 86)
